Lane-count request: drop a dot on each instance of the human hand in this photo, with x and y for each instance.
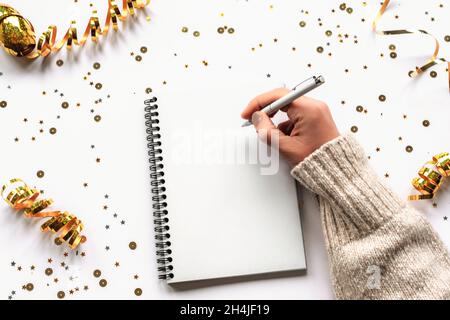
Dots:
(310, 124)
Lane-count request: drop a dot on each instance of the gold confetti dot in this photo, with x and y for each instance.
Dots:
(30, 286)
(328, 33)
(65, 105)
(220, 30)
(342, 6)
(393, 55)
(103, 283)
(302, 24)
(184, 29)
(144, 49)
(58, 241)
(148, 90)
(138, 58)
(3, 104)
(409, 149)
(52, 130)
(40, 174)
(96, 66)
(382, 98)
(447, 38)
(319, 49)
(426, 123)
(97, 273)
(359, 108)
(59, 63)
(61, 294)
(392, 47)
(48, 271)
(230, 30)
(354, 129)
(97, 118)
(98, 86)
(196, 33)
(350, 10)
(433, 74)
(132, 245)
(138, 291)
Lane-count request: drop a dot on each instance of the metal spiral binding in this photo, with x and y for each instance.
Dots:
(160, 220)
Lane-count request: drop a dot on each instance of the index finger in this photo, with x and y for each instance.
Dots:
(262, 101)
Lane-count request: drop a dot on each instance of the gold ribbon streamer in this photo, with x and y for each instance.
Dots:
(46, 43)
(431, 176)
(23, 198)
(432, 61)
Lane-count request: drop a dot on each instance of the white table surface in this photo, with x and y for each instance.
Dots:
(69, 161)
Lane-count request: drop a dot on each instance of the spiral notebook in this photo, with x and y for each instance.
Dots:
(216, 217)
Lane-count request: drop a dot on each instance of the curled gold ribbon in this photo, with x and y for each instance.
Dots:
(23, 198)
(47, 41)
(431, 176)
(432, 61)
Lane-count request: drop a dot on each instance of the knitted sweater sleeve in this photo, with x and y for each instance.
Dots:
(378, 246)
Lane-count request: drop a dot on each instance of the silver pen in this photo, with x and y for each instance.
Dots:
(299, 90)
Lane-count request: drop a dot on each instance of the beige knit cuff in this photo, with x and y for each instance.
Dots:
(339, 172)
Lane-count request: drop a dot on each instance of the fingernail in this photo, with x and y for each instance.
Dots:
(256, 118)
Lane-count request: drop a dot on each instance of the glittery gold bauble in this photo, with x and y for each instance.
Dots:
(16, 33)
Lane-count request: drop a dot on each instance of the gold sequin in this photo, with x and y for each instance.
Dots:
(230, 30)
(61, 294)
(328, 33)
(48, 271)
(40, 174)
(409, 149)
(184, 29)
(392, 47)
(319, 49)
(103, 283)
(350, 10)
(354, 129)
(65, 105)
(138, 58)
(302, 24)
(30, 286)
(144, 49)
(447, 38)
(426, 123)
(196, 33)
(59, 63)
(52, 130)
(97, 273)
(3, 104)
(148, 90)
(382, 98)
(97, 118)
(96, 66)
(433, 74)
(220, 30)
(359, 108)
(138, 291)
(98, 86)
(342, 6)
(393, 55)
(132, 245)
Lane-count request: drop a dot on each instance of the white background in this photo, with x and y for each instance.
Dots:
(68, 160)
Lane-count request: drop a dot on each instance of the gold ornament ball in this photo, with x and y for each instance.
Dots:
(16, 33)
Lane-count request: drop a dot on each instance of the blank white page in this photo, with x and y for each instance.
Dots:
(226, 219)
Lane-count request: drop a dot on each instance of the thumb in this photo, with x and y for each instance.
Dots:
(265, 127)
